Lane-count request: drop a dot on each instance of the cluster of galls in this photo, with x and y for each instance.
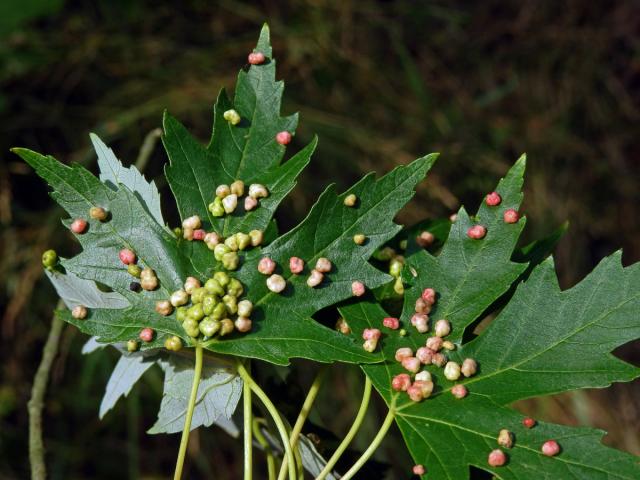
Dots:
(493, 199)
(276, 283)
(206, 311)
(227, 197)
(225, 250)
(148, 279)
(506, 439)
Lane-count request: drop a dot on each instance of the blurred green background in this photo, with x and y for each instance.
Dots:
(381, 83)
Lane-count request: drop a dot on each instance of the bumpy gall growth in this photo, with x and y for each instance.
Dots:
(550, 448)
(415, 393)
(439, 360)
(459, 391)
(342, 326)
(434, 343)
(79, 226)
(283, 138)
(425, 355)
(146, 334)
(425, 239)
(323, 265)
(425, 386)
(442, 328)
(497, 458)
(476, 232)
(429, 295)
(469, 367)
(173, 343)
(423, 376)
(401, 382)
(199, 234)
(411, 364)
(243, 324)
(492, 199)
(421, 322)
(528, 422)
(350, 200)
(418, 470)
(391, 322)
(256, 237)
(237, 188)
(447, 345)
(98, 213)
(276, 283)
(403, 352)
(511, 216)
(229, 203)
(132, 346)
(359, 239)
(192, 223)
(505, 438)
(190, 284)
(256, 58)
(250, 203)
(164, 307)
(296, 265)
(371, 337)
(179, 298)
(452, 371)
(232, 117)
(127, 256)
(315, 278)
(79, 312)
(358, 289)
(257, 190)
(266, 266)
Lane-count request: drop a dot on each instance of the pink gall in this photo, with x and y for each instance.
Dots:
(266, 266)
(283, 138)
(421, 322)
(434, 343)
(415, 393)
(146, 334)
(497, 458)
(477, 232)
(401, 382)
(511, 216)
(358, 289)
(425, 239)
(422, 306)
(391, 322)
(550, 448)
(127, 256)
(411, 364)
(403, 352)
(256, 58)
(418, 470)
(296, 265)
(425, 386)
(429, 295)
(425, 355)
(459, 391)
(199, 234)
(371, 334)
(439, 360)
(79, 226)
(492, 199)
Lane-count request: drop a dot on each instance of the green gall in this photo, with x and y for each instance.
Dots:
(243, 240)
(230, 261)
(181, 314)
(245, 307)
(223, 278)
(134, 270)
(132, 346)
(359, 239)
(232, 243)
(49, 259)
(208, 304)
(198, 295)
(256, 237)
(235, 288)
(220, 250)
(209, 327)
(230, 302)
(219, 311)
(191, 327)
(232, 117)
(213, 287)
(226, 326)
(216, 208)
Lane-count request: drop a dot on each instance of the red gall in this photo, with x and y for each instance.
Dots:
(429, 295)
(256, 58)
(459, 391)
(492, 199)
(497, 458)
(79, 226)
(476, 232)
(401, 382)
(146, 334)
(199, 234)
(391, 322)
(358, 289)
(528, 422)
(127, 256)
(550, 448)
(283, 138)
(296, 265)
(266, 266)
(511, 216)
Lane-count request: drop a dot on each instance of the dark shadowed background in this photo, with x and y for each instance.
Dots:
(381, 83)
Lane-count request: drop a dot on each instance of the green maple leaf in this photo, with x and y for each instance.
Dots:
(543, 341)
(283, 326)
